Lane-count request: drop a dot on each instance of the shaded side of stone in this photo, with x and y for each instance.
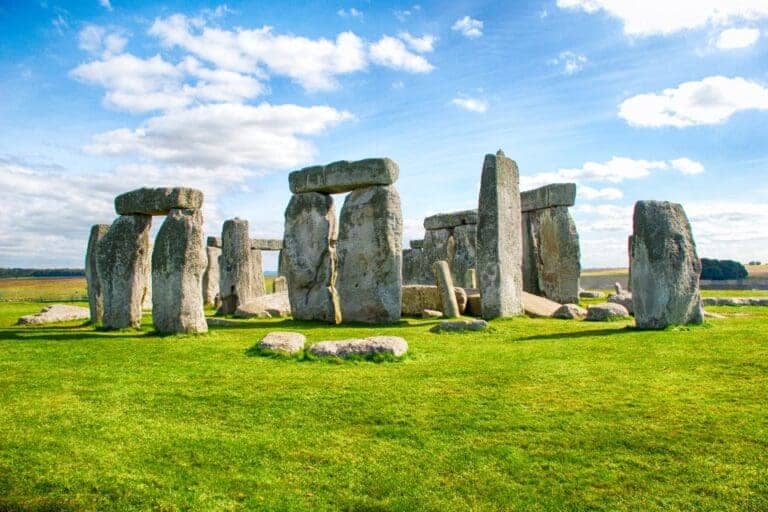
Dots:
(438, 245)
(464, 255)
(95, 299)
(411, 265)
(259, 288)
(211, 276)
(558, 254)
(267, 244)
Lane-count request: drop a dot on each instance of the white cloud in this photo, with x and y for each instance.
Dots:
(392, 53)
(210, 136)
(404, 14)
(662, 17)
(734, 38)
(469, 27)
(687, 166)
(572, 62)
(105, 4)
(471, 104)
(712, 100)
(95, 39)
(591, 194)
(350, 13)
(423, 44)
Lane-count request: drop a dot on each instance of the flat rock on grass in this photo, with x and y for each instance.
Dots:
(460, 326)
(281, 341)
(56, 313)
(393, 345)
(266, 306)
(539, 306)
(570, 312)
(606, 311)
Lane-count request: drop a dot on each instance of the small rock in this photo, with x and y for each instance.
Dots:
(460, 325)
(431, 313)
(56, 313)
(570, 312)
(280, 341)
(606, 311)
(591, 294)
(361, 347)
(624, 298)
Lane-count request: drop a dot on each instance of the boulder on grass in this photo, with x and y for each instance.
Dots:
(393, 345)
(281, 341)
(606, 311)
(570, 312)
(460, 326)
(56, 313)
(266, 306)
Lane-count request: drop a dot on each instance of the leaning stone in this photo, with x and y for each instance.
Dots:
(460, 325)
(158, 201)
(444, 280)
(276, 304)
(570, 312)
(606, 311)
(591, 294)
(267, 244)
(308, 260)
(464, 255)
(178, 264)
(281, 285)
(56, 313)
(95, 298)
(450, 220)
(393, 345)
(548, 196)
(431, 313)
(286, 342)
(624, 298)
(344, 176)
(369, 252)
(211, 276)
(539, 306)
(499, 256)
(236, 279)
(418, 297)
(665, 267)
(213, 241)
(417, 244)
(122, 259)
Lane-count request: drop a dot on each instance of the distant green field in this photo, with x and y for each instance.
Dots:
(536, 414)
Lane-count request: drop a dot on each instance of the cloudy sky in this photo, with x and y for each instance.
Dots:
(631, 100)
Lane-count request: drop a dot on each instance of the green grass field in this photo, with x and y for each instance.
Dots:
(536, 414)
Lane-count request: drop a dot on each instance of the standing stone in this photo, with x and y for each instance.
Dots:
(258, 274)
(499, 250)
(445, 285)
(464, 253)
(665, 267)
(309, 256)
(211, 276)
(281, 285)
(146, 304)
(95, 298)
(629, 257)
(370, 256)
(471, 278)
(438, 245)
(411, 266)
(236, 269)
(122, 260)
(558, 254)
(530, 255)
(178, 263)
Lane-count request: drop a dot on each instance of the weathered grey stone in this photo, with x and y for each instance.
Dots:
(211, 276)
(213, 241)
(122, 260)
(369, 252)
(438, 245)
(530, 252)
(344, 176)
(460, 325)
(275, 304)
(146, 304)
(535, 305)
(450, 220)
(393, 345)
(95, 299)
(267, 244)
(470, 278)
(624, 298)
(464, 254)
(417, 244)
(178, 264)
(548, 196)
(474, 304)
(56, 313)
(259, 288)
(570, 312)
(618, 288)
(281, 284)
(665, 267)
(499, 251)
(411, 266)
(431, 313)
(158, 201)
(418, 297)
(606, 311)
(286, 342)
(450, 307)
(591, 294)
(236, 279)
(309, 258)
(556, 264)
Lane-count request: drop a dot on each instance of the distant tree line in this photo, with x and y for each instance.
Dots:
(41, 272)
(720, 270)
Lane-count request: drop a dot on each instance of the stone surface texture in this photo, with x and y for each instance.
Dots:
(158, 201)
(557, 263)
(431, 313)
(274, 304)
(95, 298)
(665, 267)
(259, 288)
(267, 244)
(499, 246)
(450, 220)
(460, 325)
(464, 255)
(236, 277)
(56, 313)
(548, 196)
(412, 266)
(442, 272)
(211, 276)
(624, 298)
(281, 341)
(393, 345)
(213, 241)
(344, 176)
(438, 245)
(606, 311)
(281, 284)
(418, 297)
(570, 312)
(417, 244)
(535, 305)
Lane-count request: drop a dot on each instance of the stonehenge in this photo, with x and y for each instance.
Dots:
(211, 296)
(95, 298)
(450, 306)
(236, 268)
(357, 275)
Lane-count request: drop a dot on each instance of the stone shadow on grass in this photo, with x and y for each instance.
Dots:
(629, 329)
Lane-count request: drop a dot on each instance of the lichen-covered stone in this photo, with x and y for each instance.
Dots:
(450, 220)
(431, 313)
(464, 255)
(55, 313)
(606, 311)
(570, 312)
(450, 307)
(236, 279)
(178, 264)
(438, 245)
(548, 196)
(158, 201)
(665, 268)
(95, 298)
(211, 276)
(213, 241)
(369, 252)
(460, 325)
(417, 244)
(535, 305)
(393, 345)
(557, 254)
(344, 176)
(286, 342)
(591, 294)
(267, 244)
(259, 288)
(624, 298)
(411, 266)
(418, 297)
(276, 304)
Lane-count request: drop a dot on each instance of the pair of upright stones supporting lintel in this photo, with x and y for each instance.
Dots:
(118, 262)
(355, 276)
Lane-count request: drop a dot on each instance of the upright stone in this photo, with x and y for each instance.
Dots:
(95, 298)
(558, 258)
(259, 288)
(471, 278)
(444, 282)
(439, 244)
(665, 267)
(344, 176)
(236, 268)
(122, 260)
(308, 259)
(211, 276)
(281, 285)
(178, 263)
(369, 253)
(464, 253)
(530, 255)
(411, 266)
(499, 251)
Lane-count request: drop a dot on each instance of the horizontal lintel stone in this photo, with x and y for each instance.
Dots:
(344, 176)
(548, 196)
(267, 244)
(158, 201)
(450, 220)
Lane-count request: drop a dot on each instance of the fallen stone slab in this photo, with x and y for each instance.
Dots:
(460, 325)
(267, 244)
(431, 313)
(56, 313)
(418, 297)
(393, 345)
(450, 220)
(606, 311)
(591, 294)
(539, 306)
(548, 196)
(344, 176)
(282, 341)
(158, 201)
(570, 312)
(274, 304)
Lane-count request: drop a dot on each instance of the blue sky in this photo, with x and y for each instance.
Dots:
(652, 100)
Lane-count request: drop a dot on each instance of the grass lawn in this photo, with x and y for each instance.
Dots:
(535, 415)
